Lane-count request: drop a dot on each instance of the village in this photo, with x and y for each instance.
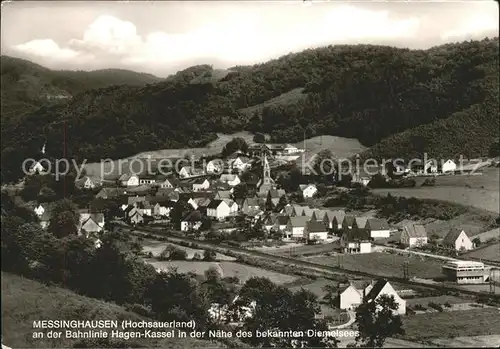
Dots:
(237, 200)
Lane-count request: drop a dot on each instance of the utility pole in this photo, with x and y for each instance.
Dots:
(406, 274)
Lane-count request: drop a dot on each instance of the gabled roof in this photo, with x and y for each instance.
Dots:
(229, 202)
(318, 215)
(214, 203)
(452, 236)
(308, 211)
(298, 221)
(224, 194)
(378, 224)
(200, 181)
(361, 222)
(349, 220)
(281, 220)
(270, 219)
(251, 201)
(194, 216)
(225, 177)
(304, 186)
(316, 227)
(134, 199)
(377, 287)
(337, 214)
(354, 235)
(415, 231)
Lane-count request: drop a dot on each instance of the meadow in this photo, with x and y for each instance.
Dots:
(24, 301)
(475, 322)
(383, 264)
(156, 248)
(492, 253)
(480, 191)
(226, 269)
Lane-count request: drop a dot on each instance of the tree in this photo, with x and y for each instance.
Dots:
(209, 256)
(259, 138)
(324, 165)
(377, 321)
(494, 150)
(235, 144)
(240, 191)
(269, 202)
(173, 253)
(476, 242)
(65, 219)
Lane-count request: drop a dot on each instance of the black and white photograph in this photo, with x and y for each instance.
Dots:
(250, 174)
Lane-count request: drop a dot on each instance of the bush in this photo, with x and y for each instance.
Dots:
(209, 256)
(197, 257)
(173, 253)
(436, 306)
(447, 305)
(419, 307)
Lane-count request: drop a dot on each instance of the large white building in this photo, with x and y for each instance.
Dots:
(466, 272)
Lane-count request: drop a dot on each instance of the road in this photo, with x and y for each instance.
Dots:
(332, 270)
(352, 319)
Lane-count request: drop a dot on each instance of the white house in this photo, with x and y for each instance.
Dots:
(201, 184)
(39, 210)
(233, 206)
(129, 180)
(316, 231)
(291, 149)
(296, 225)
(383, 287)
(349, 297)
(413, 235)
(37, 167)
(449, 166)
(189, 171)
(430, 167)
(231, 179)
(193, 221)
(356, 241)
(458, 240)
(167, 183)
(308, 190)
(218, 209)
(378, 228)
(215, 166)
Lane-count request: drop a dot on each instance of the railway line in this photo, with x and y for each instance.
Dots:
(222, 248)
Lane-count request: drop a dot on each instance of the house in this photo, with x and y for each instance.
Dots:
(161, 208)
(356, 240)
(192, 221)
(45, 218)
(291, 149)
(383, 287)
(413, 235)
(233, 206)
(448, 166)
(215, 166)
(361, 222)
(37, 168)
(129, 180)
(218, 185)
(240, 163)
(274, 194)
(145, 208)
(86, 183)
(430, 167)
(360, 177)
(218, 209)
(348, 222)
(201, 184)
(458, 240)
(269, 221)
(110, 193)
(280, 223)
(147, 179)
(321, 216)
(350, 295)
(190, 171)
(223, 194)
(134, 215)
(295, 226)
(166, 183)
(378, 228)
(231, 179)
(250, 205)
(308, 190)
(133, 200)
(93, 224)
(335, 217)
(40, 209)
(170, 193)
(315, 231)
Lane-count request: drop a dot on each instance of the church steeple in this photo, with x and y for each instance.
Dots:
(266, 178)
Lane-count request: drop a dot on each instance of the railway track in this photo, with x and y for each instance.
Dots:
(330, 269)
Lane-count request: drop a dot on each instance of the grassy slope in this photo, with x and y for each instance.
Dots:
(289, 97)
(24, 301)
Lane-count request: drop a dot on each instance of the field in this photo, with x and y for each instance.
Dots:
(24, 301)
(491, 234)
(299, 249)
(226, 269)
(156, 248)
(469, 342)
(383, 264)
(465, 323)
(285, 98)
(438, 300)
(481, 191)
(492, 252)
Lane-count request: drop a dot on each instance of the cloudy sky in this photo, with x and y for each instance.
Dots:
(163, 37)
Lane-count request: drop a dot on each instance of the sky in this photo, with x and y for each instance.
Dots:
(163, 37)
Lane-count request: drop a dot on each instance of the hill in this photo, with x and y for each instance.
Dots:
(25, 301)
(365, 92)
(26, 86)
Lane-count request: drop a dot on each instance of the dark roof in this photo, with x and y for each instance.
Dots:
(194, 216)
(356, 235)
(316, 227)
(377, 287)
(415, 230)
(349, 220)
(378, 224)
(214, 204)
(281, 220)
(299, 221)
(452, 236)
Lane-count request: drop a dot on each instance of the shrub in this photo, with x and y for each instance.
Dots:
(436, 306)
(173, 253)
(447, 304)
(209, 256)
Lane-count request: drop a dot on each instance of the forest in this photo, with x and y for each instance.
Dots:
(443, 101)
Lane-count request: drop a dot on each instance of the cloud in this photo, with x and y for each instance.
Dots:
(244, 38)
